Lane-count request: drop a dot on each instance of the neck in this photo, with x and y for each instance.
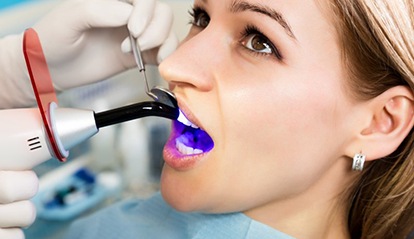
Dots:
(318, 212)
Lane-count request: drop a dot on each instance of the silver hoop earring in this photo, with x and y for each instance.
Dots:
(358, 162)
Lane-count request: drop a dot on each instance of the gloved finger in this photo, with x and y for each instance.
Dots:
(17, 214)
(159, 28)
(141, 16)
(126, 46)
(168, 47)
(11, 233)
(155, 33)
(17, 185)
(108, 13)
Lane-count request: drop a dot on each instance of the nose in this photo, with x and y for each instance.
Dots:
(192, 64)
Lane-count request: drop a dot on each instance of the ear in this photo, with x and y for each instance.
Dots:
(391, 120)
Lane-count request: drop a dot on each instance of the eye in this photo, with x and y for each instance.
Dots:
(199, 17)
(256, 42)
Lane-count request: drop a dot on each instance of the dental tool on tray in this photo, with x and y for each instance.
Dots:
(33, 135)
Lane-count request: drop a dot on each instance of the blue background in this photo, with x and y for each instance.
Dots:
(8, 3)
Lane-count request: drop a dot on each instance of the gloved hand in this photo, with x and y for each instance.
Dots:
(82, 41)
(16, 211)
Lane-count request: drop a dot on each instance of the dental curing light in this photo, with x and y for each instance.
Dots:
(31, 136)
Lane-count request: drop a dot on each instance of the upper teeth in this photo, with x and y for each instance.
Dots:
(185, 121)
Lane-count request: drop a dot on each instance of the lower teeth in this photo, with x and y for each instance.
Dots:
(182, 148)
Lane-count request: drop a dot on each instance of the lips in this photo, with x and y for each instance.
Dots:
(188, 143)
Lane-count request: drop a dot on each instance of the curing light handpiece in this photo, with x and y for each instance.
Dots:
(31, 136)
(24, 142)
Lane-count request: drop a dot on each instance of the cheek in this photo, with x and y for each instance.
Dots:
(276, 132)
(278, 114)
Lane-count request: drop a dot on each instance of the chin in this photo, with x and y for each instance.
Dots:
(177, 199)
(179, 204)
(182, 192)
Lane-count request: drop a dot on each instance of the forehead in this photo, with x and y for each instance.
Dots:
(295, 16)
(273, 8)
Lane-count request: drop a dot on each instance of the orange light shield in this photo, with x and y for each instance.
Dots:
(42, 84)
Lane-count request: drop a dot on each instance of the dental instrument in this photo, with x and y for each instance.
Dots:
(157, 93)
(33, 135)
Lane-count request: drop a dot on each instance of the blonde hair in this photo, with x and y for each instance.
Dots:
(377, 40)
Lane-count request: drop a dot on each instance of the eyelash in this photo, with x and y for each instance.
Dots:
(197, 12)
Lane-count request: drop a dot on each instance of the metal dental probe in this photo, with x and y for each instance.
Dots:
(140, 63)
(157, 93)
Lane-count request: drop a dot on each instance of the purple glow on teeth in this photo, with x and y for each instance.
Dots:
(196, 139)
(192, 137)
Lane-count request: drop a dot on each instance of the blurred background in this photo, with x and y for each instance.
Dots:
(119, 162)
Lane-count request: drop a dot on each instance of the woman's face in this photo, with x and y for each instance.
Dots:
(263, 78)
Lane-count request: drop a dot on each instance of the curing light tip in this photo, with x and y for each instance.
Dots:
(135, 111)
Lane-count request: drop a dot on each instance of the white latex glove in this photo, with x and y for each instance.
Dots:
(82, 40)
(151, 23)
(16, 211)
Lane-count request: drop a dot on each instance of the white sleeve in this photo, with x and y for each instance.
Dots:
(15, 88)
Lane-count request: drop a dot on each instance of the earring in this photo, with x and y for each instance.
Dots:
(358, 162)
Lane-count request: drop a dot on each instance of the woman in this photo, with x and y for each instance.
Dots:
(291, 97)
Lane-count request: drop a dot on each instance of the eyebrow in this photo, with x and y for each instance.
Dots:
(241, 6)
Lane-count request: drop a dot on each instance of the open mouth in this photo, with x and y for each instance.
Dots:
(191, 139)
